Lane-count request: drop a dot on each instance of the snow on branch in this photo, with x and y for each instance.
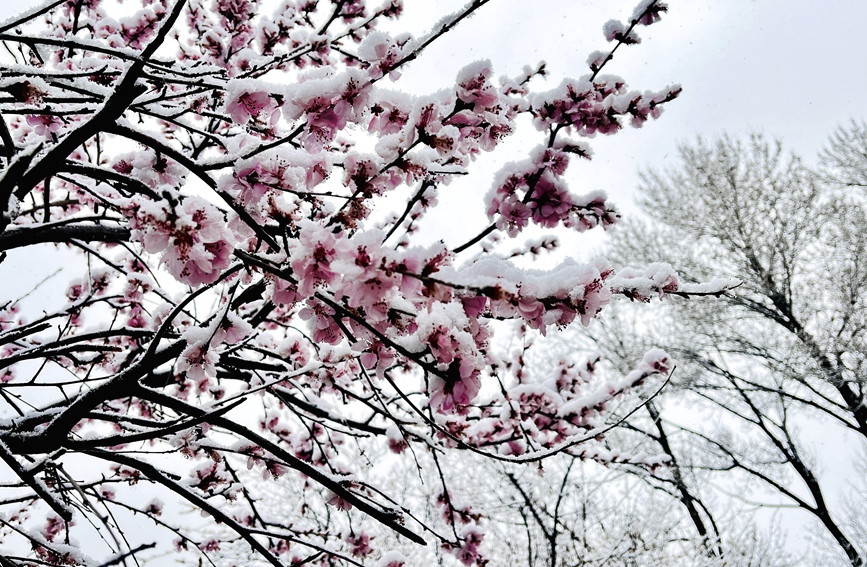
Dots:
(222, 178)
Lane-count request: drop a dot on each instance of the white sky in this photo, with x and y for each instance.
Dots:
(793, 69)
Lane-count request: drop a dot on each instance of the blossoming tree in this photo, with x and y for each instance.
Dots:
(246, 301)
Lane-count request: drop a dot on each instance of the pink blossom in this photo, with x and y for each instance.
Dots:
(198, 362)
(138, 319)
(322, 125)
(321, 317)
(155, 508)
(377, 355)
(474, 85)
(285, 293)
(44, 125)
(359, 544)
(514, 216)
(387, 118)
(209, 477)
(249, 105)
(336, 323)
(25, 91)
(392, 559)
(137, 30)
(194, 238)
(469, 553)
(473, 306)
(338, 502)
(54, 526)
(550, 202)
(649, 12)
(232, 330)
(396, 441)
(311, 259)
(459, 389)
(247, 183)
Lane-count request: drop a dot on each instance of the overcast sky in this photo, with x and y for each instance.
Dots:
(793, 69)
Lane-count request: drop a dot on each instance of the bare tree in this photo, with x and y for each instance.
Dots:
(783, 354)
(574, 513)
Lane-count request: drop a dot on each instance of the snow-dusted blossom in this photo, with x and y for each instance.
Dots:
(151, 168)
(311, 258)
(193, 237)
(248, 105)
(181, 137)
(392, 559)
(474, 86)
(45, 125)
(359, 544)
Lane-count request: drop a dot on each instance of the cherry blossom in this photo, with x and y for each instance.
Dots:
(45, 125)
(248, 105)
(256, 300)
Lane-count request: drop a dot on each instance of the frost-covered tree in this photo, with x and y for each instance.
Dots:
(241, 189)
(571, 513)
(769, 395)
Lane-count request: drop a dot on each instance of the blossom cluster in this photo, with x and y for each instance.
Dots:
(248, 297)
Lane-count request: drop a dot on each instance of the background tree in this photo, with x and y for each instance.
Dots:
(778, 363)
(572, 510)
(583, 514)
(593, 517)
(248, 295)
